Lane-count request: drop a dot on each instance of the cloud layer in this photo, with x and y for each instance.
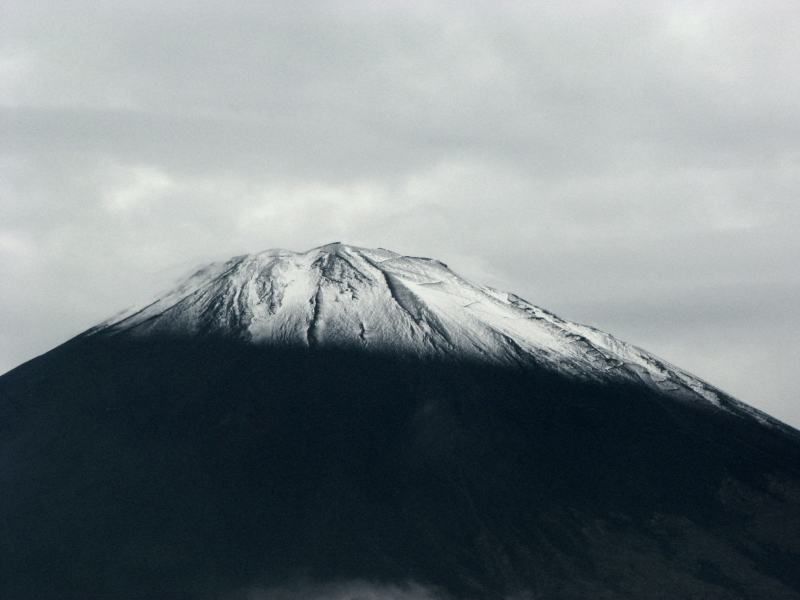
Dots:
(351, 590)
(634, 167)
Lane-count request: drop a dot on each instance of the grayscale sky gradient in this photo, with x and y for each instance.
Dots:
(634, 166)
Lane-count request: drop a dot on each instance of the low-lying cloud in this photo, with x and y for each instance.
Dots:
(352, 590)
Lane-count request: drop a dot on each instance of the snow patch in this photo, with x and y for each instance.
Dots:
(345, 296)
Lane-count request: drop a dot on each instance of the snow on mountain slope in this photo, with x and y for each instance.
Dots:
(348, 297)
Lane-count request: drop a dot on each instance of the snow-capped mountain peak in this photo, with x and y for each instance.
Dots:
(342, 296)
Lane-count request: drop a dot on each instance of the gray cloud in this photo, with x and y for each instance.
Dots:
(635, 167)
(350, 590)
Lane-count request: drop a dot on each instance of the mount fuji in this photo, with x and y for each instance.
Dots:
(349, 422)
(340, 296)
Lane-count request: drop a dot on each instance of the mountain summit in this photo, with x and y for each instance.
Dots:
(345, 297)
(352, 423)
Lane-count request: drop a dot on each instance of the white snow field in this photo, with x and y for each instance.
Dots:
(349, 297)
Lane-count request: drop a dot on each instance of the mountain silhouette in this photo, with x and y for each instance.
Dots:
(352, 423)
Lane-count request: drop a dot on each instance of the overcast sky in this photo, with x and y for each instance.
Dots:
(631, 166)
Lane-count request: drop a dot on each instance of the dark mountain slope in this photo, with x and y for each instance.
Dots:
(195, 467)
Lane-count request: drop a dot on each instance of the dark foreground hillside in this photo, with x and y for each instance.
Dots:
(177, 469)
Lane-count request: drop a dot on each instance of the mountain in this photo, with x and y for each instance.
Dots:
(349, 422)
(340, 296)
